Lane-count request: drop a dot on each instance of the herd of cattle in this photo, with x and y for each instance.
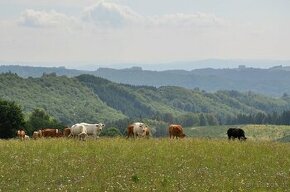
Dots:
(137, 129)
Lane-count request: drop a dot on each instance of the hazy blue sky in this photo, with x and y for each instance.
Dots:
(142, 31)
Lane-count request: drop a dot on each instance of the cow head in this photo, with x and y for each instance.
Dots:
(100, 126)
(182, 135)
(243, 138)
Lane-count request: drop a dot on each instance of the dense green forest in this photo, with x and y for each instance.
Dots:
(87, 98)
(170, 103)
(64, 98)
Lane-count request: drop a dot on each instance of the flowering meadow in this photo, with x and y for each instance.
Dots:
(119, 164)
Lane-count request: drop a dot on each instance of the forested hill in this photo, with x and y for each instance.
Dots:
(89, 98)
(274, 81)
(62, 97)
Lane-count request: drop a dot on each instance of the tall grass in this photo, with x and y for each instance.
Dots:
(144, 165)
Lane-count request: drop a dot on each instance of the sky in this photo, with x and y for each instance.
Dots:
(103, 33)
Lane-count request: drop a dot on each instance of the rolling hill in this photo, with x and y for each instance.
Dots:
(90, 98)
(64, 98)
(273, 81)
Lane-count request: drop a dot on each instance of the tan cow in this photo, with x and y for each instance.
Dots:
(137, 129)
(175, 131)
(37, 134)
(26, 137)
(21, 134)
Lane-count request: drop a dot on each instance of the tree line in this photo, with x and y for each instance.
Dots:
(262, 118)
(12, 118)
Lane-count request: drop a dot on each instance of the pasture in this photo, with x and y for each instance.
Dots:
(118, 164)
(253, 132)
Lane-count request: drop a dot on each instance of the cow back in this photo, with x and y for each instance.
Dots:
(77, 129)
(51, 132)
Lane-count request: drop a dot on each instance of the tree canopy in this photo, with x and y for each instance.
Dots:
(11, 119)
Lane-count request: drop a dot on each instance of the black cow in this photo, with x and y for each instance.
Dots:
(236, 133)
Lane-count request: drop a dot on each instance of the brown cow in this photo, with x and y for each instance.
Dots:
(51, 133)
(176, 131)
(66, 132)
(21, 134)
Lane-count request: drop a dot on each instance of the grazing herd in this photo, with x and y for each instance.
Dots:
(82, 130)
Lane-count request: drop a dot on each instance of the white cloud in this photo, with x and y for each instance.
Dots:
(188, 20)
(110, 14)
(33, 18)
(114, 15)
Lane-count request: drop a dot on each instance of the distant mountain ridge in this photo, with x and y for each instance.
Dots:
(273, 81)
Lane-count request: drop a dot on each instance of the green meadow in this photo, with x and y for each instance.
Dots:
(252, 132)
(119, 164)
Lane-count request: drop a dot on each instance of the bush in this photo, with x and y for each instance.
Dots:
(111, 132)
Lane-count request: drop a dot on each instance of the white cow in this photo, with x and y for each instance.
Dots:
(82, 130)
(26, 137)
(78, 130)
(94, 129)
(137, 129)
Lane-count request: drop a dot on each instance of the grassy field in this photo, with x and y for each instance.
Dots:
(252, 132)
(144, 165)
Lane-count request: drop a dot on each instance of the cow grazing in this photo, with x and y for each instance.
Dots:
(136, 129)
(236, 133)
(37, 134)
(66, 132)
(51, 133)
(21, 134)
(82, 130)
(175, 131)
